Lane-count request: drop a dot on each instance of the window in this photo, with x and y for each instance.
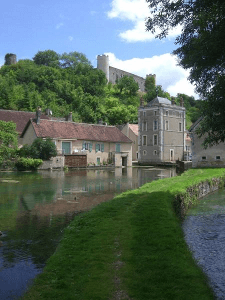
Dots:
(144, 126)
(155, 152)
(218, 157)
(166, 125)
(144, 113)
(87, 146)
(155, 112)
(203, 157)
(118, 148)
(180, 126)
(144, 152)
(99, 147)
(167, 112)
(155, 125)
(144, 140)
(155, 139)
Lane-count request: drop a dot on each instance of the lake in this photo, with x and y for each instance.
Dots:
(35, 207)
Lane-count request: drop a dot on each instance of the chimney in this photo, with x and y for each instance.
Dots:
(38, 115)
(173, 100)
(141, 101)
(48, 112)
(181, 101)
(70, 117)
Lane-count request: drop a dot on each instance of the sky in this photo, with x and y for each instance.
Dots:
(93, 27)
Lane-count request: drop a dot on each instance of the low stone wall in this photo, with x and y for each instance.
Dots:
(54, 163)
(183, 202)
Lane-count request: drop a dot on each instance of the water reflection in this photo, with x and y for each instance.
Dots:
(34, 212)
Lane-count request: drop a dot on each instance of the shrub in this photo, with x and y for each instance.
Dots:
(25, 164)
(43, 149)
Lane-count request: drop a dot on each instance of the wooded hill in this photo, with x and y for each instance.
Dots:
(69, 82)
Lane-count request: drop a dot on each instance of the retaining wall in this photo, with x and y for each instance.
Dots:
(183, 202)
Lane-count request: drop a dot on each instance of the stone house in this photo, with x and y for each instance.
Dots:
(211, 157)
(82, 144)
(161, 132)
(131, 131)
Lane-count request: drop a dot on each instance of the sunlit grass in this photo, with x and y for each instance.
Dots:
(137, 230)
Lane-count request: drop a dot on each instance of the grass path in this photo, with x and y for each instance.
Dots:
(131, 247)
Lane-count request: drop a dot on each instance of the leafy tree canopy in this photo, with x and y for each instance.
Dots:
(8, 140)
(201, 50)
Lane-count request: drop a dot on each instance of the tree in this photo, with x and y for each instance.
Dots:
(40, 149)
(128, 85)
(201, 50)
(47, 58)
(8, 141)
(72, 59)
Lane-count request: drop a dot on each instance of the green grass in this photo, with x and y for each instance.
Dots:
(138, 231)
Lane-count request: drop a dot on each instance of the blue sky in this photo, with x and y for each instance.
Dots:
(93, 27)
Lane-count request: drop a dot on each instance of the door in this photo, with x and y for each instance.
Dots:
(65, 147)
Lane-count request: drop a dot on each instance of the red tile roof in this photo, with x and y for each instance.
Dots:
(19, 117)
(134, 128)
(81, 131)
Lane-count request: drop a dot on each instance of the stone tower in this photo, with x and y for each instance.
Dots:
(10, 59)
(103, 64)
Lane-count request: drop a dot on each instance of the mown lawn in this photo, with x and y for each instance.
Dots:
(131, 247)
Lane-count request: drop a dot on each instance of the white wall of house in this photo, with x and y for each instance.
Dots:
(210, 157)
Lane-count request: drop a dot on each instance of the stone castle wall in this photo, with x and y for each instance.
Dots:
(113, 74)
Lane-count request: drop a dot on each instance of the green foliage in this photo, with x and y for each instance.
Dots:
(68, 82)
(72, 59)
(42, 149)
(26, 164)
(8, 141)
(127, 85)
(47, 58)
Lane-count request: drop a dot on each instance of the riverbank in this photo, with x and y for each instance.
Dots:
(130, 248)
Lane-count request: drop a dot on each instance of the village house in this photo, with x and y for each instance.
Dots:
(211, 157)
(82, 144)
(161, 132)
(131, 131)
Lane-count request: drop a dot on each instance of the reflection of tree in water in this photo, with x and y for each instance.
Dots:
(34, 237)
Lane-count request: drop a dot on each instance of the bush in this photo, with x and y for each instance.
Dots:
(42, 149)
(25, 164)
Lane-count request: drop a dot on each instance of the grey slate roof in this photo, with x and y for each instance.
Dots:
(159, 100)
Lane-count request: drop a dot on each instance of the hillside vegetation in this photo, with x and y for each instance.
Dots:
(69, 82)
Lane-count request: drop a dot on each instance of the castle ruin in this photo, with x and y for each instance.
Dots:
(113, 74)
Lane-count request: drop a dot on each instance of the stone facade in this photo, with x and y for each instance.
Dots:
(211, 157)
(161, 132)
(131, 131)
(113, 74)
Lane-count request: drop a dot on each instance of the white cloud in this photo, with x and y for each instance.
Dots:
(59, 25)
(70, 38)
(169, 75)
(135, 11)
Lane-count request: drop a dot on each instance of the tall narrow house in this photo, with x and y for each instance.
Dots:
(161, 131)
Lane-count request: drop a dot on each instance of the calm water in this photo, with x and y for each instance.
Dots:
(36, 207)
(204, 229)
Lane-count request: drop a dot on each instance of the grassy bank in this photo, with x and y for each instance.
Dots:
(129, 248)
